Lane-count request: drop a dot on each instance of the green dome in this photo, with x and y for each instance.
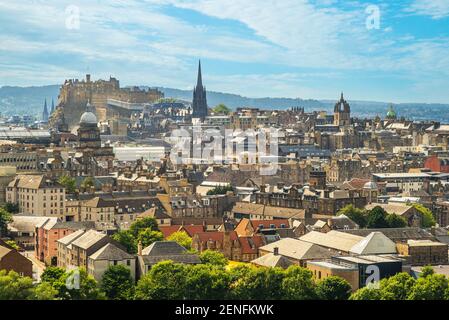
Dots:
(391, 114)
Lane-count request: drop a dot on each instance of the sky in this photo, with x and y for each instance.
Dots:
(391, 51)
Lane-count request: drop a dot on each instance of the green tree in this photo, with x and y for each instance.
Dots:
(431, 287)
(117, 283)
(395, 221)
(68, 182)
(355, 214)
(5, 218)
(205, 282)
(366, 293)
(219, 190)
(87, 183)
(126, 239)
(259, 284)
(44, 291)
(83, 286)
(11, 207)
(377, 218)
(221, 108)
(15, 287)
(428, 219)
(12, 244)
(298, 284)
(165, 281)
(396, 287)
(182, 238)
(148, 236)
(333, 288)
(427, 271)
(213, 258)
(141, 224)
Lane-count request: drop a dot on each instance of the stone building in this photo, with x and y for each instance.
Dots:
(37, 195)
(74, 94)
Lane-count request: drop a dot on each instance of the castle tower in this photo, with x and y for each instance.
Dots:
(45, 112)
(199, 104)
(342, 113)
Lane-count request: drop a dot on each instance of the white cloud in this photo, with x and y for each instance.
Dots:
(437, 9)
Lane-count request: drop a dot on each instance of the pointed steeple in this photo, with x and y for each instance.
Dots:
(52, 106)
(342, 98)
(199, 83)
(45, 112)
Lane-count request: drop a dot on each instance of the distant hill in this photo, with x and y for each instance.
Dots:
(30, 101)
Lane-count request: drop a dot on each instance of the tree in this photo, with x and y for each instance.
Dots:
(377, 218)
(11, 207)
(148, 236)
(259, 284)
(205, 282)
(395, 221)
(396, 287)
(12, 244)
(366, 293)
(428, 220)
(427, 271)
(44, 291)
(355, 214)
(182, 238)
(15, 287)
(87, 183)
(141, 224)
(117, 283)
(130, 238)
(5, 218)
(213, 258)
(219, 190)
(165, 281)
(221, 108)
(68, 182)
(127, 239)
(298, 284)
(333, 288)
(431, 287)
(82, 286)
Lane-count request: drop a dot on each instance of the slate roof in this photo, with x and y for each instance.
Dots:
(298, 249)
(334, 239)
(88, 239)
(167, 250)
(272, 261)
(374, 243)
(395, 234)
(111, 252)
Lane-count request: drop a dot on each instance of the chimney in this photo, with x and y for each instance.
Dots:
(276, 251)
(139, 248)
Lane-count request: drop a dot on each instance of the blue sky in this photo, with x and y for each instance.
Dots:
(283, 48)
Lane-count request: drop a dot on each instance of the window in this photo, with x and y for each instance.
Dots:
(128, 262)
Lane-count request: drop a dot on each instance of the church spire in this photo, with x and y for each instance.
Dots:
(52, 106)
(45, 112)
(199, 83)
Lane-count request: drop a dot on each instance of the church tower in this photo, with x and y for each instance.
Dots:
(342, 113)
(52, 106)
(199, 104)
(45, 112)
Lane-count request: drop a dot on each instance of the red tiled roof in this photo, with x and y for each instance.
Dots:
(192, 230)
(250, 245)
(169, 230)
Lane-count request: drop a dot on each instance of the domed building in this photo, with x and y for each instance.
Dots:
(391, 114)
(370, 191)
(88, 131)
(95, 159)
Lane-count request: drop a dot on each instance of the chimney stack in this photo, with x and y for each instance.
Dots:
(139, 248)
(276, 251)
